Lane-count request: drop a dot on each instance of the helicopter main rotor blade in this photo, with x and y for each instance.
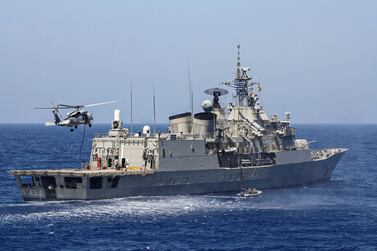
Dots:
(62, 106)
(103, 103)
(55, 108)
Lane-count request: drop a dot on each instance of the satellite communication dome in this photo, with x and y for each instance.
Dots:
(146, 130)
(206, 104)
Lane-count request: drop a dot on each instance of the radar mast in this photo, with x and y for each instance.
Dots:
(245, 96)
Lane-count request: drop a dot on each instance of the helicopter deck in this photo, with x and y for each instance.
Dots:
(81, 172)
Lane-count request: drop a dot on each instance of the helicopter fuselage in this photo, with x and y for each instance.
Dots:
(76, 118)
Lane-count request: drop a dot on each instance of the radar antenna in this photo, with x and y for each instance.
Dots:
(216, 93)
(245, 96)
(154, 112)
(238, 61)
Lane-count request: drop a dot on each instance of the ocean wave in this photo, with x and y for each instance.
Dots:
(163, 206)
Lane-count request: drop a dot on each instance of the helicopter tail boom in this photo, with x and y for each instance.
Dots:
(50, 123)
(56, 115)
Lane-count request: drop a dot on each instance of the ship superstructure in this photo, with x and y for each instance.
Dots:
(220, 149)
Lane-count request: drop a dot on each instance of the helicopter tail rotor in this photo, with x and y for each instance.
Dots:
(50, 123)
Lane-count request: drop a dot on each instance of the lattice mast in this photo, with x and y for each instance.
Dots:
(245, 95)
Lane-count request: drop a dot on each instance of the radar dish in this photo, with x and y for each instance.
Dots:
(216, 92)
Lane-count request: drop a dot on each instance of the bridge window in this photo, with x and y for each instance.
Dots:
(96, 183)
(71, 182)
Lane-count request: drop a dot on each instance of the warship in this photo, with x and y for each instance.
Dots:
(217, 150)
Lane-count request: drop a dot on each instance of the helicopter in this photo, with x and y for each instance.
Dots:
(74, 118)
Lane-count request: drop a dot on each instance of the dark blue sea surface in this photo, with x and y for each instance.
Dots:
(338, 214)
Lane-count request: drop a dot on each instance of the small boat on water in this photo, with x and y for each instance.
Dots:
(249, 192)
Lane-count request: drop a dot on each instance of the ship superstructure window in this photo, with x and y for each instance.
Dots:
(72, 182)
(96, 183)
(27, 181)
(109, 162)
(112, 182)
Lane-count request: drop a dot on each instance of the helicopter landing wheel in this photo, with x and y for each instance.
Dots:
(72, 130)
(75, 126)
(90, 125)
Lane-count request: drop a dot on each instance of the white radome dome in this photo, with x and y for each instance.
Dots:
(206, 104)
(146, 130)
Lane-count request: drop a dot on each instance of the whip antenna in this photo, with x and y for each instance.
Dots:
(131, 108)
(191, 95)
(154, 113)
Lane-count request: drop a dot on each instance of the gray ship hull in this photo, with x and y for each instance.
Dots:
(222, 180)
(192, 181)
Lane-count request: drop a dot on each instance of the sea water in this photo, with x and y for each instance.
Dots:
(336, 214)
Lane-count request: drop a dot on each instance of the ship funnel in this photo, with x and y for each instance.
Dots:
(204, 124)
(181, 123)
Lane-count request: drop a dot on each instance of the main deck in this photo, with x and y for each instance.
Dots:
(80, 172)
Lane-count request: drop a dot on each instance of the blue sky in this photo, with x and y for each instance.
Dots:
(316, 59)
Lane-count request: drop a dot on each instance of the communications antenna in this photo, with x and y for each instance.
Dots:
(191, 95)
(131, 108)
(154, 113)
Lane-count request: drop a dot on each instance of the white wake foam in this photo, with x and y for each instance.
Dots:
(166, 206)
